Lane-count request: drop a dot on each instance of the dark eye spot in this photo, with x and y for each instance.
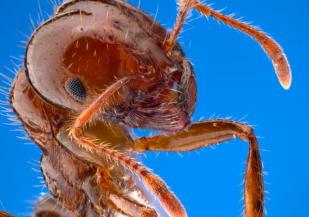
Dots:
(76, 89)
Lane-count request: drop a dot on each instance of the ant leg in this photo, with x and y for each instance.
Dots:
(157, 186)
(206, 133)
(272, 48)
(121, 203)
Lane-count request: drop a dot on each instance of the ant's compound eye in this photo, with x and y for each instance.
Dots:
(76, 89)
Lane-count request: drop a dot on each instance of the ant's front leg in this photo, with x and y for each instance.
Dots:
(156, 186)
(210, 132)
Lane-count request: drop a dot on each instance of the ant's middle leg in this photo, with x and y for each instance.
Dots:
(210, 132)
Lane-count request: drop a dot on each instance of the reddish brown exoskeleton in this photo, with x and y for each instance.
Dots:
(99, 66)
(4, 214)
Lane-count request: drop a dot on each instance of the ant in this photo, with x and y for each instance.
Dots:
(97, 67)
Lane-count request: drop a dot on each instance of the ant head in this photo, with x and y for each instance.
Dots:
(89, 45)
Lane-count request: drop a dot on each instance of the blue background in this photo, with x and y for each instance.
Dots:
(235, 78)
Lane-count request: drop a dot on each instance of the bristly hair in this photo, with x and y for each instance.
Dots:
(5, 88)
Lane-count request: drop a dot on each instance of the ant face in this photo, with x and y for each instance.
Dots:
(88, 46)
